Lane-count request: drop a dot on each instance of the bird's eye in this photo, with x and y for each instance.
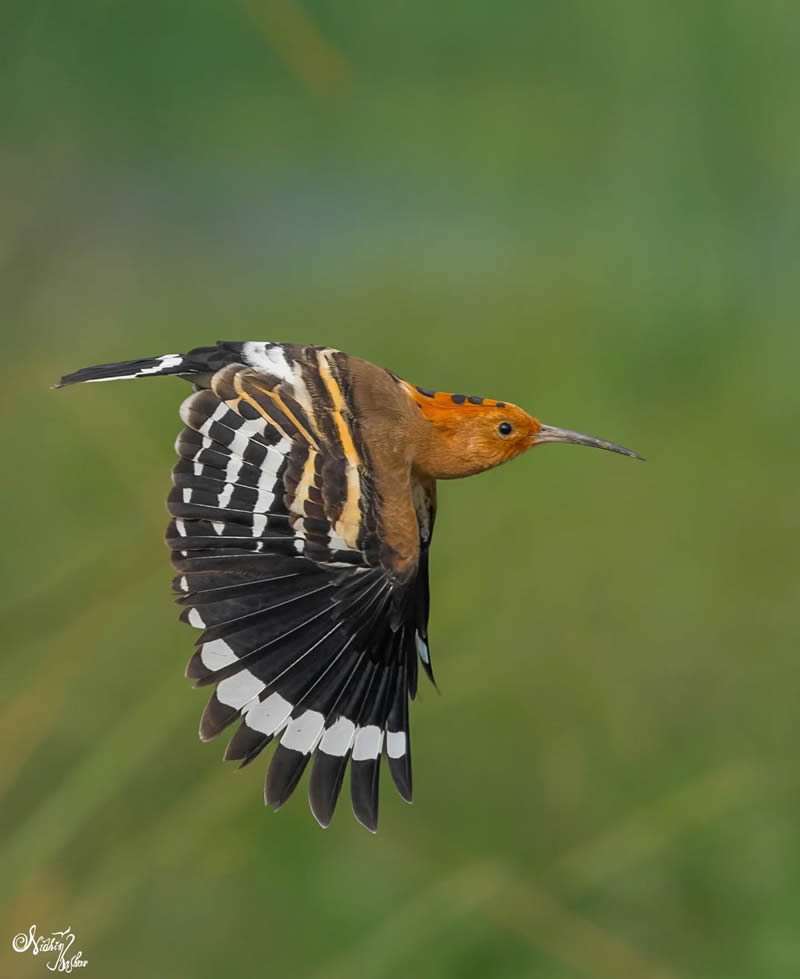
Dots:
(505, 428)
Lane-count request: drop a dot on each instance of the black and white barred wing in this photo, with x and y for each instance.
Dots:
(307, 637)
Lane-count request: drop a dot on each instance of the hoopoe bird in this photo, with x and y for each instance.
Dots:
(302, 507)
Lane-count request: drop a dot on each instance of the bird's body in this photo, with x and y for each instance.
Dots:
(303, 506)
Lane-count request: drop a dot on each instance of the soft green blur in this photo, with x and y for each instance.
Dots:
(589, 209)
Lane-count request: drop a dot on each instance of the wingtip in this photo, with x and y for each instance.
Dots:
(403, 790)
(366, 811)
(322, 821)
(269, 797)
(204, 736)
(371, 825)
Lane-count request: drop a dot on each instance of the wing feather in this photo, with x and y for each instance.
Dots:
(307, 638)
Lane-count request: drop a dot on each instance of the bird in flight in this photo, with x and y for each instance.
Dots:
(302, 506)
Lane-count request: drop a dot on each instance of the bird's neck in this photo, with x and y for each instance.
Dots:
(448, 451)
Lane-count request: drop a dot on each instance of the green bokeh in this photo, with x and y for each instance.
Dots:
(590, 209)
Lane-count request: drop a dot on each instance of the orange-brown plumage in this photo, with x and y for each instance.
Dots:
(303, 507)
(465, 437)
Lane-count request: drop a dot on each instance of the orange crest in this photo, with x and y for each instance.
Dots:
(470, 434)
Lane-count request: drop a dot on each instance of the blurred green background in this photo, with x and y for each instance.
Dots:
(590, 209)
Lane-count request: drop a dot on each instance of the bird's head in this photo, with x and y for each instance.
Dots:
(471, 434)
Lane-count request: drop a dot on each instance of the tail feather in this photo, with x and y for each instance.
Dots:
(196, 363)
(128, 369)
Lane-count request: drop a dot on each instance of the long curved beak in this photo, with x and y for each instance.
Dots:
(549, 433)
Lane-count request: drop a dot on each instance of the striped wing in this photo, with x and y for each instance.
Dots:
(307, 636)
